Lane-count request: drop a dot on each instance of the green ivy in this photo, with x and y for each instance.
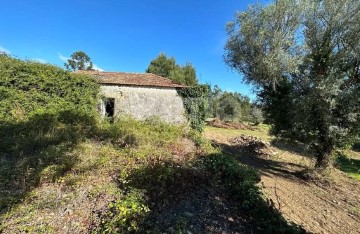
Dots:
(195, 102)
(29, 88)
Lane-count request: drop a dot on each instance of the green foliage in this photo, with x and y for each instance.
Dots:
(349, 165)
(127, 132)
(229, 170)
(240, 181)
(79, 60)
(54, 150)
(256, 115)
(125, 214)
(162, 65)
(195, 102)
(228, 106)
(303, 58)
(167, 67)
(278, 108)
(29, 88)
(233, 107)
(44, 112)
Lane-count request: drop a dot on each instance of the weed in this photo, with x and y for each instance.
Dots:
(240, 182)
(125, 214)
(349, 165)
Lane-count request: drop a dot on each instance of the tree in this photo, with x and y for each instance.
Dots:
(213, 101)
(256, 115)
(230, 106)
(162, 65)
(189, 74)
(79, 60)
(309, 50)
(167, 67)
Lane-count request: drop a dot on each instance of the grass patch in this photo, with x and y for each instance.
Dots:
(66, 162)
(349, 162)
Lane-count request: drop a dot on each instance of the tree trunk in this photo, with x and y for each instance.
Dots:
(325, 158)
(324, 161)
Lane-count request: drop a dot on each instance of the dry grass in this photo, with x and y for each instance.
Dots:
(327, 204)
(65, 199)
(261, 131)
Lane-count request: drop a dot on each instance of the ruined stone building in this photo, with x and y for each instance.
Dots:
(140, 95)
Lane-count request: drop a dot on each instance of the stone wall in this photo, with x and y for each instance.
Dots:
(144, 102)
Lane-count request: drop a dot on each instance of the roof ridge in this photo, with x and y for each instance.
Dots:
(131, 78)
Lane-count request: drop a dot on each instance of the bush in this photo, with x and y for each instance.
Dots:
(195, 103)
(28, 88)
(125, 214)
(44, 112)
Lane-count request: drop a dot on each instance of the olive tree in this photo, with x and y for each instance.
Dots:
(309, 50)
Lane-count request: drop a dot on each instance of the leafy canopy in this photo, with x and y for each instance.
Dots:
(29, 88)
(304, 54)
(79, 60)
(167, 67)
(228, 106)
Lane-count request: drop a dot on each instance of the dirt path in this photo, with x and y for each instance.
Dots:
(318, 208)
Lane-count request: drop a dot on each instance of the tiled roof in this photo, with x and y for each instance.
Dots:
(136, 79)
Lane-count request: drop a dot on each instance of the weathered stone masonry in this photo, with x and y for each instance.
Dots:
(142, 102)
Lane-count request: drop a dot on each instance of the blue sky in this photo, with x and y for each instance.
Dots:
(122, 35)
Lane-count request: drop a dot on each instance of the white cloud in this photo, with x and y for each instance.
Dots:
(95, 67)
(3, 50)
(63, 58)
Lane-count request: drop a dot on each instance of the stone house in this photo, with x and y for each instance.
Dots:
(140, 95)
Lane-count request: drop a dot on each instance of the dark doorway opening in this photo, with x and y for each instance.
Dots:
(110, 107)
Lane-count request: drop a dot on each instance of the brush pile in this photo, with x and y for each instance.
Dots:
(227, 124)
(252, 145)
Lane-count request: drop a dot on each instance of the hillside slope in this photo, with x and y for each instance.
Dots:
(63, 170)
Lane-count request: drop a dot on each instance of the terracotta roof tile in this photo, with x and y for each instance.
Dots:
(137, 79)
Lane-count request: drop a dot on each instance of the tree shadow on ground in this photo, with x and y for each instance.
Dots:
(214, 195)
(265, 165)
(356, 147)
(184, 199)
(37, 151)
(348, 165)
(291, 147)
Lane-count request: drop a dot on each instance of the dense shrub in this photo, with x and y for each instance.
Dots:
(44, 112)
(28, 88)
(195, 102)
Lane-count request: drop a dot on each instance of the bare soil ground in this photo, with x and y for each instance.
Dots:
(317, 206)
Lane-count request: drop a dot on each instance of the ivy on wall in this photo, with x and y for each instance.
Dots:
(195, 103)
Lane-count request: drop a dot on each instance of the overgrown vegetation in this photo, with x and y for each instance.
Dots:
(240, 181)
(44, 112)
(304, 55)
(195, 102)
(28, 89)
(232, 107)
(62, 170)
(349, 163)
(167, 67)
